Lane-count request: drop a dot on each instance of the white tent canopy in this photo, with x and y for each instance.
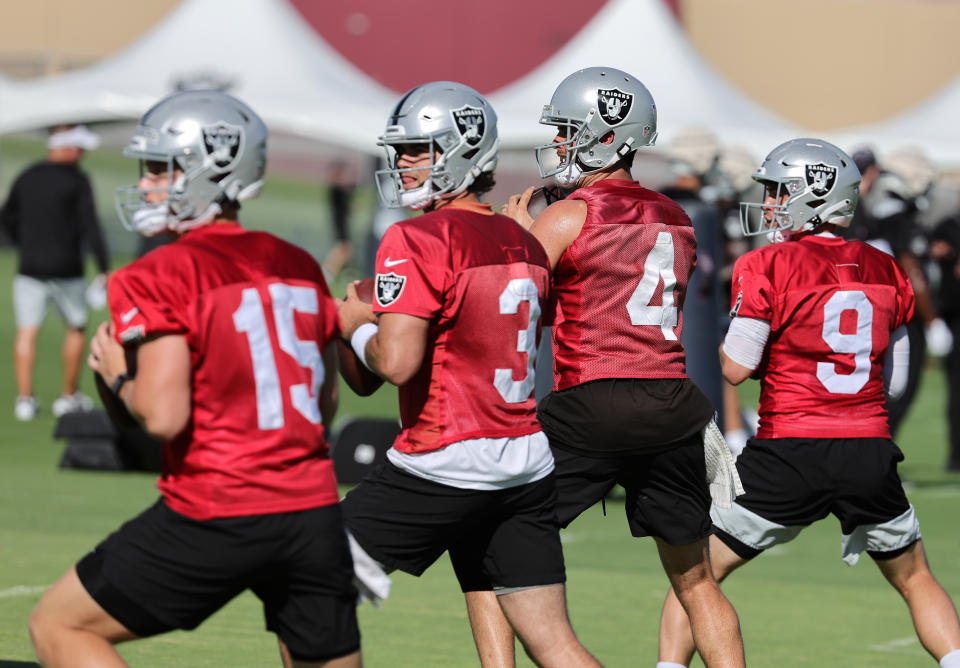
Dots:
(265, 53)
(641, 37)
(274, 61)
(261, 50)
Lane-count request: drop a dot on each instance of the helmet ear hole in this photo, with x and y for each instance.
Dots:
(607, 139)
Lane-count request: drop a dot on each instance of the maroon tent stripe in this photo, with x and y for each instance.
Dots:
(486, 44)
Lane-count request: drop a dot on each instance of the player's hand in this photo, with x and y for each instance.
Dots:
(939, 339)
(517, 208)
(106, 355)
(353, 312)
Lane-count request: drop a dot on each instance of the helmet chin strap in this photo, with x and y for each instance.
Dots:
(184, 224)
(569, 177)
(150, 220)
(417, 198)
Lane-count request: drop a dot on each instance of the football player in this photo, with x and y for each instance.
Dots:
(454, 323)
(222, 345)
(820, 321)
(623, 411)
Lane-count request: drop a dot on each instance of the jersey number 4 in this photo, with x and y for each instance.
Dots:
(250, 319)
(659, 264)
(859, 343)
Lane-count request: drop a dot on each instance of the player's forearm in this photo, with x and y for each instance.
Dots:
(162, 420)
(390, 360)
(743, 348)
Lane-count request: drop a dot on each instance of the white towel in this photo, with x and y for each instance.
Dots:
(722, 474)
(371, 581)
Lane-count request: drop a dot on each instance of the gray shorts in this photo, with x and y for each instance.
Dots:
(31, 296)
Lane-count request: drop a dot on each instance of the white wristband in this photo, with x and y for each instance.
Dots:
(358, 341)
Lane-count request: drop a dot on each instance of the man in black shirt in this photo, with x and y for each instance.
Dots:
(49, 215)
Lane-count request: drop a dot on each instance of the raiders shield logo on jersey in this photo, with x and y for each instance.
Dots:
(471, 122)
(614, 105)
(222, 142)
(821, 178)
(389, 287)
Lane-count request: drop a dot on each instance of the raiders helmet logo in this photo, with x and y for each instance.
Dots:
(614, 105)
(471, 123)
(389, 288)
(222, 143)
(821, 178)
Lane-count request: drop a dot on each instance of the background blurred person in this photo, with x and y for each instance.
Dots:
(50, 216)
(945, 250)
(222, 344)
(340, 187)
(692, 155)
(894, 201)
(729, 183)
(821, 321)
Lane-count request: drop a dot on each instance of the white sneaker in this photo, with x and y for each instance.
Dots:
(26, 408)
(71, 403)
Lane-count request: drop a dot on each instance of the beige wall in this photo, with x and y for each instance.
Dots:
(830, 63)
(38, 36)
(821, 63)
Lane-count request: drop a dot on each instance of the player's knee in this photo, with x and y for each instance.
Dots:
(25, 342)
(42, 628)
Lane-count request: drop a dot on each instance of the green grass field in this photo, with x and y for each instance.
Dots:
(799, 604)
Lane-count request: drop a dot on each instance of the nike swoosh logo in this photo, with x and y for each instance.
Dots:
(392, 263)
(128, 316)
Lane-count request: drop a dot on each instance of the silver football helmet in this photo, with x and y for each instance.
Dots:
(602, 115)
(810, 181)
(216, 141)
(455, 122)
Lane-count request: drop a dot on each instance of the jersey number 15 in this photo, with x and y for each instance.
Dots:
(250, 319)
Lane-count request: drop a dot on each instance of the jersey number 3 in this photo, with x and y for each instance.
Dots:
(859, 344)
(250, 319)
(519, 290)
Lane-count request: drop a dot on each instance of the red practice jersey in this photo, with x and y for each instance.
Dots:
(482, 281)
(256, 314)
(620, 287)
(831, 305)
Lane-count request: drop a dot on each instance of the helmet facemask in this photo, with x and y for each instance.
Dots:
(177, 211)
(566, 170)
(390, 180)
(772, 216)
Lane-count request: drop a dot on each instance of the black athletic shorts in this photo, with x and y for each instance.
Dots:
(162, 571)
(623, 416)
(793, 482)
(641, 434)
(666, 493)
(498, 538)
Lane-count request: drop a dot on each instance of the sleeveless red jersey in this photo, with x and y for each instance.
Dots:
(481, 280)
(619, 287)
(832, 305)
(256, 314)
